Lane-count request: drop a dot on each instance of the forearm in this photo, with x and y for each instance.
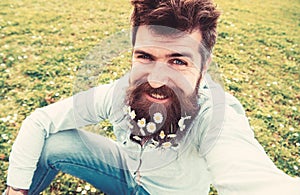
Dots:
(15, 191)
(25, 153)
(30, 140)
(70, 113)
(239, 165)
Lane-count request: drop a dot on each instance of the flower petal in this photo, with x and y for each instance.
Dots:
(158, 117)
(162, 135)
(137, 138)
(141, 123)
(151, 127)
(167, 144)
(172, 135)
(142, 132)
(132, 114)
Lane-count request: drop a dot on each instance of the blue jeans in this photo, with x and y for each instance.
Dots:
(90, 157)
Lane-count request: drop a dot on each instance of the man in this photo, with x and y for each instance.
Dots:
(177, 131)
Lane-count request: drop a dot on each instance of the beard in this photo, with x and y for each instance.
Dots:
(179, 106)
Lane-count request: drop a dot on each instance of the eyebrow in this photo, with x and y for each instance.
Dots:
(184, 54)
(138, 51)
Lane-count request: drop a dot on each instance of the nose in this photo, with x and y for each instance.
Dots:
(158, 76)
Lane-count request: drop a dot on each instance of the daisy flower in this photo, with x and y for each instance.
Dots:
(181, 122)
(158, 118)
(171, 135)
(136, 138)
(141, 123)
(151, 127)
(162, 135)
(132, 114)
(143, 132)
(167, 144)
(127, 109)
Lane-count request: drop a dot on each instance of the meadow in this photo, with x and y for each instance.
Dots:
(43, 44)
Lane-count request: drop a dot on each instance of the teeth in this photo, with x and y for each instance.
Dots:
(158, 96)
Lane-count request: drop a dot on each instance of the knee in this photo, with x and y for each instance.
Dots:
(58, 146)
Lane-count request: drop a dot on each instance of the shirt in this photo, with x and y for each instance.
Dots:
(219, 148)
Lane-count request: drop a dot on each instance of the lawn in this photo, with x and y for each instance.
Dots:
(44, 44)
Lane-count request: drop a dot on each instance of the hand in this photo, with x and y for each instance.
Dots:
(12, 191)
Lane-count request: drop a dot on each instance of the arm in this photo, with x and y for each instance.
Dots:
(14, 191)
(239, 164)
(73, 112)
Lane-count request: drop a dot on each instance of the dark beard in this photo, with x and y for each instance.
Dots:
(173, 110)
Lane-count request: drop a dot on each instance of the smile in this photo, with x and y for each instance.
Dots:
(157, 98)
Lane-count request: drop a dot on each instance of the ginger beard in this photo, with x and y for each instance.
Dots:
(177, 107)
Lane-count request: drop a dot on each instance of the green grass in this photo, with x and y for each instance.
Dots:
(43, 43)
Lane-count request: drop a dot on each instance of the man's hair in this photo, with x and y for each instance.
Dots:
(182, 15)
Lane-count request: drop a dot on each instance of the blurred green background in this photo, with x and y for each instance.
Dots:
(43, 43)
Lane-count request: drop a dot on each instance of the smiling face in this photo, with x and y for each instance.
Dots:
(164, 79)
(173, 61)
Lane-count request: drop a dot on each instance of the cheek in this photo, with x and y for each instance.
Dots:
(192, 79)
(182, 82)
(137, 73)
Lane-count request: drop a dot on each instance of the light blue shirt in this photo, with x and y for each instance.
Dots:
(219, 149)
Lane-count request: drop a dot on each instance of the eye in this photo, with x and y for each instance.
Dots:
(178, 62)
(144, 56)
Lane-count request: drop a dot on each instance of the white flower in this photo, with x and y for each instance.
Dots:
(4, 136)
(142, 132)
(158, 117)
(167, 144)
(137, 138)
(151, 127)
(162, 135)
(11, 58)
(132, 114)
(79, 189)
(127, 109)
(188, 117)
(87, 187)
(171, 135)
(181, 122)
(141, 123)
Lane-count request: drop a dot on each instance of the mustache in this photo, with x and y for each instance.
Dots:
(135, 93)
(166, 91)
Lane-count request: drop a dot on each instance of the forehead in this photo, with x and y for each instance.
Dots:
(179, 42)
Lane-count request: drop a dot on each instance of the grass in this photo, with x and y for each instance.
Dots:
(43, 44)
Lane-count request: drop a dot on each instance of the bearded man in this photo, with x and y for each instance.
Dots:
(177, 131)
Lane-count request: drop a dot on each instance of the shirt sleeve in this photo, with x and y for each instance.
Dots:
(82, 109)
(239, 165)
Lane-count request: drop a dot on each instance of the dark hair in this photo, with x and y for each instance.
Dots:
(183, 15)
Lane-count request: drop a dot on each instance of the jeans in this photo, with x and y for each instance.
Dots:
(90, 157)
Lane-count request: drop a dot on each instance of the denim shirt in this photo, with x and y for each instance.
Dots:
(219, 147)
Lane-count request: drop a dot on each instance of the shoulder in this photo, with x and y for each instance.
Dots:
(220, 114)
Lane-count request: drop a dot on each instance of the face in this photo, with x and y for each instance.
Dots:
(164, 78)
(166, 60)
